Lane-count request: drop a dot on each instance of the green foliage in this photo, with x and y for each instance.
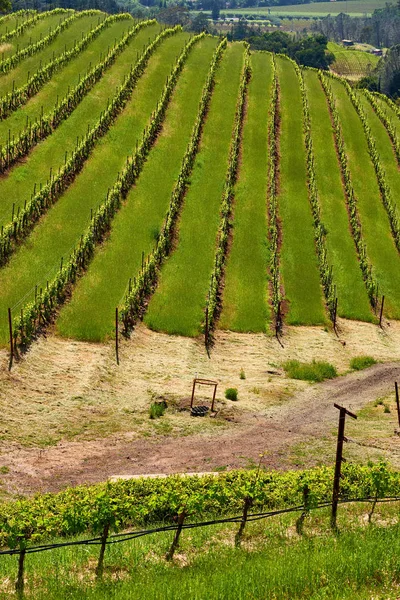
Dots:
(314, 371)
(231, 394)
(369, 82)
(157, 409)
(242, 374)
(137, 502)
(361, 362)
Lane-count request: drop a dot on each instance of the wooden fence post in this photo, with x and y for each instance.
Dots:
(301, 519)
(19, 584)
(116, 336)
(11, 340)
(247, 504)
(397, 401)
(381, 313)
(100, 564)
(339, 460)
(175, 543)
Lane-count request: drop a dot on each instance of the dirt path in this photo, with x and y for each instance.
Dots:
(274, 430)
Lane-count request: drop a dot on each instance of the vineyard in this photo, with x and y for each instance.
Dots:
(186, 182)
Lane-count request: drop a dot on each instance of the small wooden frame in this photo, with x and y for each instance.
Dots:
(209, 382)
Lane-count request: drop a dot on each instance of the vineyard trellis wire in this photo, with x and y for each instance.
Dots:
(8, 64)
(39, 312)
(45, 125)
(213, 303)
(17, 97)
(25, 219)
(146, 281)
(355, 223)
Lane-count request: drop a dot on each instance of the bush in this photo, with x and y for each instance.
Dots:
(231, 394)
(361, 362)
(242, 374)
(314, 371)
(157, 409)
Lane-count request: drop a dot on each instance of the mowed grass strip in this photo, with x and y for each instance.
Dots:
(245, 294)
(67, 78)
(353, 302)
(33, 34)
(90, 314)
(381, 249)
(385, 149)
(299, 264)
(18, 185)
(19, 76)
(177, 306)
(60, 230)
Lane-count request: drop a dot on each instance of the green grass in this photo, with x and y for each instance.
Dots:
(13, 22)
(177, 306)
(314, 9)
(362, 362)
(60, 230)
(157, 409)
(34, 34)
(385, 150)
(299, 266)
(353, 302)
(90, 315)
(274, 562)
(381, 249)
(313, 371)
(245, 295)
(18, 185)
(19, 75)
(61, 81)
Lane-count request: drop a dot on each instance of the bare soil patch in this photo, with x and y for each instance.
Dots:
(70, 415)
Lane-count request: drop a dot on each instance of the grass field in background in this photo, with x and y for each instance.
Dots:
(19, 75)
(17, 186)
(299, 265)
(68, 77)
(355, 8)
(177, 306)
(91, 313)
(39, 258)
(245, 295)
(353, 302)
(381, 249)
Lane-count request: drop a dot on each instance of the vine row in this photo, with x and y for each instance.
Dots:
(29, 22)
(45, 125)
(273, 175)
(146, 281)
(18, 13)
(355, 223)
(384, 189)
(213, 303)
(40, 311)
(386, 122)
(326, 270)
(9, 63)
(16, 98)
(25, 219)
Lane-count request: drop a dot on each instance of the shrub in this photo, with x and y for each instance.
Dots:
(361, 362)
(314, 371)
(242, 374)
(231, 394)
(157, 409)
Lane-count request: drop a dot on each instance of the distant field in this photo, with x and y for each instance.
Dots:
(356, 8)
(352, 63)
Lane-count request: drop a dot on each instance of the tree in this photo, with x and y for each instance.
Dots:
(215, 10)
(199, 23)
(5, 5)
